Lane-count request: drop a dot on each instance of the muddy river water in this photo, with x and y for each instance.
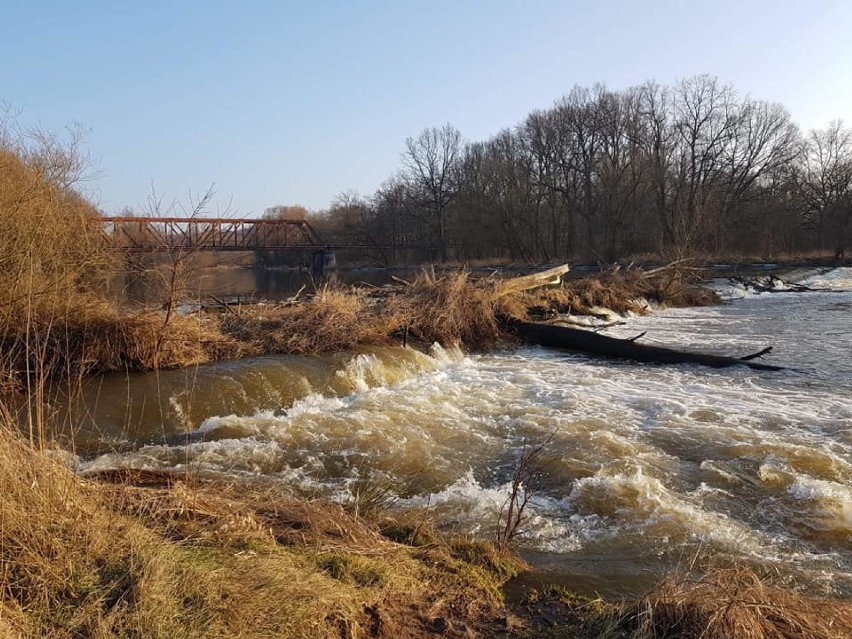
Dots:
(649, 467)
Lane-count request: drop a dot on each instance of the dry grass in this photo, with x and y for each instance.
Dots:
(96, 338)
(736, 603)
(730, 602)
(172, 557)
(49, 248)
(454, 309)
(622, 291)
(334, 319)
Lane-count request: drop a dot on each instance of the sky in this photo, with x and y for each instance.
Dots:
(287, 102)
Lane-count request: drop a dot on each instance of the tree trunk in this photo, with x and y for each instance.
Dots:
(584, 341)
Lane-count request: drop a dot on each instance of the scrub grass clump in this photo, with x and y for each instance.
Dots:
(725, 602)
(336, 318)
(453, 309)
(621, 291)
(736, 603)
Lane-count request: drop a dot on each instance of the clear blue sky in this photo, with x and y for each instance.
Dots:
(294, 102)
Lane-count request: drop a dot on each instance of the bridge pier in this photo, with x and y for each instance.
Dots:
(322, 262)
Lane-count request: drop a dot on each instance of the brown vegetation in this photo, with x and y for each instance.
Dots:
(51, 260)
(174, 557)
(96, 338)
(619, 291)
(88, 335)
(135, 553)
(332, 320)
(453, 309)
(736, 602)
(726, 603)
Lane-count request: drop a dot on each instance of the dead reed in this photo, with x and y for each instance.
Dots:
(453, 309)
(725, 602)
(620, 291)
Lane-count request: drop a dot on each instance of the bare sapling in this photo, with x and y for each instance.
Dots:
(513, 512)
(175, 275)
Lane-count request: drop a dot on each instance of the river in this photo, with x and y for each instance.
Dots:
(650, 468)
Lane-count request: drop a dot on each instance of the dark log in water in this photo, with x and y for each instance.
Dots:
(774, 284)
(583, 341)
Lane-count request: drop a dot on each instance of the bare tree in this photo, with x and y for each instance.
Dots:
(541, 139)
(605, 174)
(704, 119)
(513, 198)
(398, 219)
(285, 212)
(512, 514)
(825, 182)
(174, 276)
(621, 173)
(430, 164)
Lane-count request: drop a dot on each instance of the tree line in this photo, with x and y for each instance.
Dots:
(653, 170)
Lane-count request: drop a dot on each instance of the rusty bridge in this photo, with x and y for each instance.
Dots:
(169, 234)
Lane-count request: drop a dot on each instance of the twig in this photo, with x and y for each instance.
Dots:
(225, 305)
(766, 350)
(295, 296)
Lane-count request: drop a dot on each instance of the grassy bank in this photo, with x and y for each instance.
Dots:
(159, 556)
(135, 554)
(730, 602)
(87, 335)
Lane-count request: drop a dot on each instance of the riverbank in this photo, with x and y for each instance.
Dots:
(158, 555)
(88, 336)
(132, 553)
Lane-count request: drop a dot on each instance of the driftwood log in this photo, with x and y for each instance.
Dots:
(573, 339)
(549, 277)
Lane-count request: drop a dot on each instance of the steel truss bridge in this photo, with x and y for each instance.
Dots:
(170, 234)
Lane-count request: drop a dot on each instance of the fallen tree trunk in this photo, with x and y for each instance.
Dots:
(549, 277)
(579, 340)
